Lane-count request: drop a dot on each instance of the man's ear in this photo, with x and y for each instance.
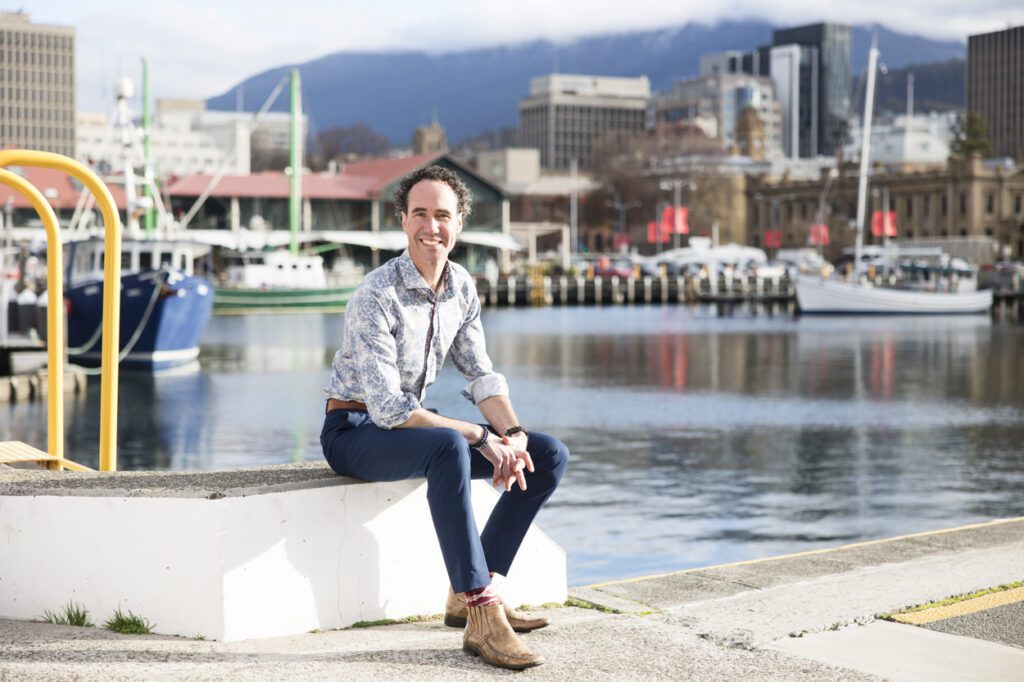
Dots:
(458, 229)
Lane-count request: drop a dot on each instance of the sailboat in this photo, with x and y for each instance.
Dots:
(859, 296)
(282, 280)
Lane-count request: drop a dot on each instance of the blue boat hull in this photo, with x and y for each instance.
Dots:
(163, 315)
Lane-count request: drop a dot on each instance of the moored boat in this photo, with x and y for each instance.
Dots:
(859, 294)
(277, 281)
(836, 297)
(164, 306)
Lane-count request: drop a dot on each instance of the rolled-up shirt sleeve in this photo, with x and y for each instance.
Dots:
(376, 361)
(469, 353)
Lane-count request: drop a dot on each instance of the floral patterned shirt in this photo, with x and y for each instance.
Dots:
(397, 334)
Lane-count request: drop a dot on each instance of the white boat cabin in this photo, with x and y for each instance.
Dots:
(275, 270)
(86, 258)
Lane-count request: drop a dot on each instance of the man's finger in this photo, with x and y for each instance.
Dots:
(521, 477)
(529, 461)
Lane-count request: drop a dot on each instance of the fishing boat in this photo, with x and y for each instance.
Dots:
(861, 294)
(277, 281)
(283, 280)
(165, 306)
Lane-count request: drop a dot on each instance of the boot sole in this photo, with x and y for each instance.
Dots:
(456, 622)
(508, 666)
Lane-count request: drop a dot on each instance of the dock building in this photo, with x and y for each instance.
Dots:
(967, 199)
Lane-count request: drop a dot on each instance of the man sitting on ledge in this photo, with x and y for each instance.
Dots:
(400, 324)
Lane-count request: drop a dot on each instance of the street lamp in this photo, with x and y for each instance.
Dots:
(621, 208)
(676, 186)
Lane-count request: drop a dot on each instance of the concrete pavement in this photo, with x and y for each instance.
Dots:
(809, 616)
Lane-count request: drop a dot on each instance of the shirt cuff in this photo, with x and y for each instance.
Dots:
(394, 412)
(484, 387)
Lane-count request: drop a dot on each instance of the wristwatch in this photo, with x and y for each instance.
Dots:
(517, 429)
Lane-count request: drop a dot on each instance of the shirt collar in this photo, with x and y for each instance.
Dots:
(412, 279)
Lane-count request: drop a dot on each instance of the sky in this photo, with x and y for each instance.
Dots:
(201, 48)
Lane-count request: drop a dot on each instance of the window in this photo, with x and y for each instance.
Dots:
(990, 203)
(963, 203)
(945, 205)
(910, 207)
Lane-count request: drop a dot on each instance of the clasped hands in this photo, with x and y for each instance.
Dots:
(510, 458)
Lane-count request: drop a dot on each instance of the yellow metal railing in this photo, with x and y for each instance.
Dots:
(54, 311)
(55, 296)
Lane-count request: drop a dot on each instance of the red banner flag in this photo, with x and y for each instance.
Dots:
(883, 223)
(656, 234)
(819, 235)
(670, 214)
(773, 239)
(621, 242)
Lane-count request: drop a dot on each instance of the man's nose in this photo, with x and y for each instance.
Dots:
(434, 225)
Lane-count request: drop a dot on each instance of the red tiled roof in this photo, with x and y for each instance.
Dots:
(273, 184)
(55, 186)
(386, 171)
(359, 180)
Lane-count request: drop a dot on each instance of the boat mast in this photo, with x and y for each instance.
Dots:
(865, 147)
(295, 198)
(149, 217)
(125, 91)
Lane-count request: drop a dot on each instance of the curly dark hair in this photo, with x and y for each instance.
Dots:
(441, 174)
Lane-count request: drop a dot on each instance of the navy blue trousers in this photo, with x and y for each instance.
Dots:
(354, 446)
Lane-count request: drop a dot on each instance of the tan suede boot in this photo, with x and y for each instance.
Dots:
(489, 636)
(455, 614)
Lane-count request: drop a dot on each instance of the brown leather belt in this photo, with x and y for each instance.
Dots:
(335, 404)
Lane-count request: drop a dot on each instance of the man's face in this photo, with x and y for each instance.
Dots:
(432, 222)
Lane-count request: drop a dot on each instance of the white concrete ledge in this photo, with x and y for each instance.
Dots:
(238, 555)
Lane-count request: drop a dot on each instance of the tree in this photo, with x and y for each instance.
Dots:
(970, 135)
(339, 143)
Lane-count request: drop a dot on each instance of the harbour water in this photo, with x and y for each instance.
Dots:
(697, 439)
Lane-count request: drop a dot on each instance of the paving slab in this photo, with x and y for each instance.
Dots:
(908, 653)
(674, 589)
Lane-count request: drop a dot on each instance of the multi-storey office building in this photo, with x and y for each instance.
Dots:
(721, 97)
(995, 87)
(37, 85)
(810, 70)
(565, 114)
(827, 72)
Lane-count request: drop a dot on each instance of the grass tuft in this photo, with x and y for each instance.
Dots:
(71, 614)
(128, 624)
(953, 600)
(395, 621)
(580, 604)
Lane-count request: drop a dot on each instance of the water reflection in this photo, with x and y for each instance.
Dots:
(697, 439)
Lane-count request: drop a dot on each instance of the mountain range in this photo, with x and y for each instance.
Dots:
(478, 90)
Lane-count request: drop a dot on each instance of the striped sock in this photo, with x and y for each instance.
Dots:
(483, 596)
